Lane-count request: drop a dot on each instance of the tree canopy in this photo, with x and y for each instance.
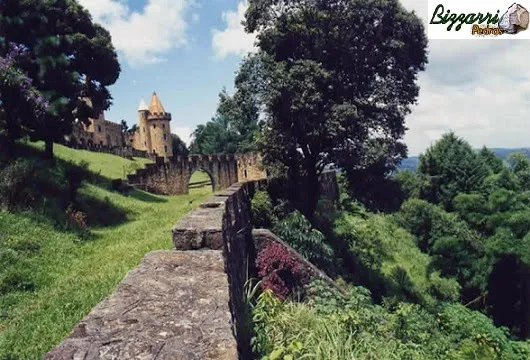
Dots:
(335, 80)
(233, 128)
(70, 59)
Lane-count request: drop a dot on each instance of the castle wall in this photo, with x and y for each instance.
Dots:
(249, 167)
(153, 135)
(172, 178)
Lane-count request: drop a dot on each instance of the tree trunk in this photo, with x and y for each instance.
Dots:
(312, 192)
(48, 150)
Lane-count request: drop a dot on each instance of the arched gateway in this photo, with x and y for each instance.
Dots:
(172, 177)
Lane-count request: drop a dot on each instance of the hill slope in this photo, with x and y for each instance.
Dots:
(50, 278)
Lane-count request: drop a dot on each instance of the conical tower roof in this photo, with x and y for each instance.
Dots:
(143, 106)
(156, 105)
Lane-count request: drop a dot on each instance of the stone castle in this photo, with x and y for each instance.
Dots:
(152, 134)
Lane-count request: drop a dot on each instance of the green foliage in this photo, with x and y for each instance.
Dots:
(495, 163)
(70, 58)
(451, 167)
(179, 146)
(233, 128)
(332, 325)
(410, 183)
(297, 231)
(389, 262)
(455, 248)
(262, 210)
(16, 180)
(328, 91)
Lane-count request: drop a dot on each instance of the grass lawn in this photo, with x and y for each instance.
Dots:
(67, 277)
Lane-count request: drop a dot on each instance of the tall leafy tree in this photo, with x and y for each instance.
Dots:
(335, 80)
(179, 146)
(233, 128)
(70, 59)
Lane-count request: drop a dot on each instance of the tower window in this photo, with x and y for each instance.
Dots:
(145, 143)
(163, 126)
(165, 148)
(99, 128)
(144, 128)
(154, 126)
(165, 137)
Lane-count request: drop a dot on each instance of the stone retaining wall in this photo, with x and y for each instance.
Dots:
(188, 303)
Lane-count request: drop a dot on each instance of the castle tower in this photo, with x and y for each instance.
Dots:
(144, 129)
(160, 132)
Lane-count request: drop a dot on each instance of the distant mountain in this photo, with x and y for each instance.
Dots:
(411, 163)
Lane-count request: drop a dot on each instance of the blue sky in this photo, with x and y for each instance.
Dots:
(188, 50)
(180, 58)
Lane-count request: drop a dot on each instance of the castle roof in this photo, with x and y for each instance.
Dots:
(156, 105)
(143, 106)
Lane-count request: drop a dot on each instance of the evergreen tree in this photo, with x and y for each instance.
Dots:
(451, 167)
(493, 161)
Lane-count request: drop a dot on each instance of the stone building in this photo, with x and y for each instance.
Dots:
(152, 133)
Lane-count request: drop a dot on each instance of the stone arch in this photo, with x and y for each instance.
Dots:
(197, 169)
(172, 177)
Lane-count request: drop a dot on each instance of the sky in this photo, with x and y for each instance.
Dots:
(188, 50)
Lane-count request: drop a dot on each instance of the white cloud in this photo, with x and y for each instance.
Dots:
(479, 89)
(143, 37)
(183, 132)
(233, 39)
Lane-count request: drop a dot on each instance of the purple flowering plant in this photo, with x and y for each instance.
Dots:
(12, 78)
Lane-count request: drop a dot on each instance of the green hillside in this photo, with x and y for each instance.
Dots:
(50, 277)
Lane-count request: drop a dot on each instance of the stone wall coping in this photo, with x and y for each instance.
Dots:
(174, 305)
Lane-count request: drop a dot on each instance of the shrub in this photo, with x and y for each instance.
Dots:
(78, 220)
(16, 180)
(282, 273)
(297, 231)
(262, 210)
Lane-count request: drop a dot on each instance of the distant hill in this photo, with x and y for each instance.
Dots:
(411, 163)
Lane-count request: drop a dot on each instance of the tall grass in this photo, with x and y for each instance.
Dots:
(70, 276)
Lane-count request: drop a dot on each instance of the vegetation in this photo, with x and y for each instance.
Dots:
(332, 93)
(446, 276)
(68, 59)
(179, 146)
(233, 128)
(52, 271)
(331, 325)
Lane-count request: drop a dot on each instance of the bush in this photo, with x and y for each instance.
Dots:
(262, 210)
(16, 181)
(297, 231)
(281, 272)
(78, 221)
